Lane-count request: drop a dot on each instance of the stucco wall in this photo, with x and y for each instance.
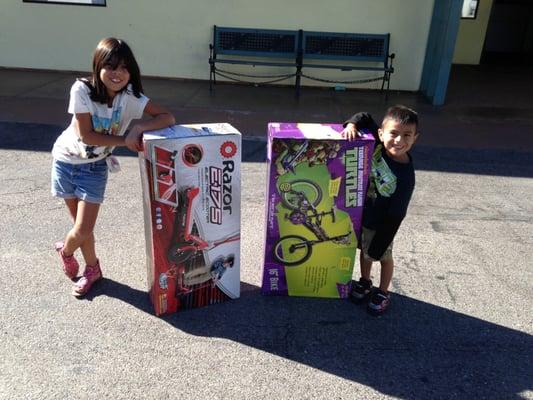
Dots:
(471, 36)
(170, 37)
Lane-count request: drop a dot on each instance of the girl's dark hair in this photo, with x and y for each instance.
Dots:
(111, 52)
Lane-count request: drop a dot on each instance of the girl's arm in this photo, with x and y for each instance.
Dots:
(161, 118)
(88, 136)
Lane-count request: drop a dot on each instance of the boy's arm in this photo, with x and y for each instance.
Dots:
(362, 121)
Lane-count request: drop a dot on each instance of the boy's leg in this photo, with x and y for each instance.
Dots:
(81, 235)
(380, 300)
(387, 268)
(362, 288)
(366, 266)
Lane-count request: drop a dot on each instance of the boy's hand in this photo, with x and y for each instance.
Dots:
(134, 139)
(350, 132)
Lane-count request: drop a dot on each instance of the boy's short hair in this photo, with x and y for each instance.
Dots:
(401, 114)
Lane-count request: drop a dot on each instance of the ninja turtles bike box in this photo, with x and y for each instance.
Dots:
(191, 192)
(316, 185)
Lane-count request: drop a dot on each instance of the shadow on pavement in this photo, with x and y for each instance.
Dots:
(40, 137)
(417, 350)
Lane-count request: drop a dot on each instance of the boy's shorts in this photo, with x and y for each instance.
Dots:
(366, 238)
(86, 182)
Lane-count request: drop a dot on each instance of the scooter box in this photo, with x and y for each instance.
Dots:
(316, 186)
(191, 195)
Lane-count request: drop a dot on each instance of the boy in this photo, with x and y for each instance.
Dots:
(392, 180)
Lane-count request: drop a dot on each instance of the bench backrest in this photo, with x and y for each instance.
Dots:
(346, 46)
(255, 42)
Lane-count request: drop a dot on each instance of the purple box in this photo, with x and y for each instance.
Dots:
(316, 187)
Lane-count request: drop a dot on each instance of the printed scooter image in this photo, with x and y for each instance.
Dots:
(186, 246)
(302, 197)
(204, 275)
(196, 275)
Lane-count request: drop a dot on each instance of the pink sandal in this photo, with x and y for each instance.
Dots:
(70, 264)
(92, 274)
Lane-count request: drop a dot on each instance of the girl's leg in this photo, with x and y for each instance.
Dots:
(88, 246)
(81, 235)
(387, 267)
(72, 205)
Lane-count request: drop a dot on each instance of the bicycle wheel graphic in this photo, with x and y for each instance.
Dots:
(292, 193)
(292, 250)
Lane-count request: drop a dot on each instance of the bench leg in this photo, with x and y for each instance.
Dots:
(298, 81)
(386, 78)
(212, 76)
(388, 86)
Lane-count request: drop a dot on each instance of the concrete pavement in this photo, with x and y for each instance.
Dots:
(460, 325)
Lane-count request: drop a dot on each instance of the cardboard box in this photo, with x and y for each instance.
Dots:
(191, 192)
(316, 187)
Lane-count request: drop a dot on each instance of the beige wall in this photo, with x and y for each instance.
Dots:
(170, 38)
(471, 36)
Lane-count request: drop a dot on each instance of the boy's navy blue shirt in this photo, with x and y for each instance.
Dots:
(389, 191)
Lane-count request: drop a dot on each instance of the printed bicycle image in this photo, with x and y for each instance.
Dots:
(302, 197)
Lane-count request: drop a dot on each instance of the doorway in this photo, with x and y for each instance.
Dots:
(509, 38)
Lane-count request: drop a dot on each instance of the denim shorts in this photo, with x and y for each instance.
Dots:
(86, 182)
(367, 236)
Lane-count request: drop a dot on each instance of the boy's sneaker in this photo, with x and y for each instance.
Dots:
(379, 302)
(360, 290)
(70, 264)
(92, 274)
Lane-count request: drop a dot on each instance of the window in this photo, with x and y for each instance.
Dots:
(100, 3)
(470, 9)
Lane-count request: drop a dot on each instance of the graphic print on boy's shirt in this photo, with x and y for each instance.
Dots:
(382, 178)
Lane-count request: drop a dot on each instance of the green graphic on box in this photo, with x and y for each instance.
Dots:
(317, 241)
(317, 182)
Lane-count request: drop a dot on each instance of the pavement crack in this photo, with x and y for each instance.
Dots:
(450, 293)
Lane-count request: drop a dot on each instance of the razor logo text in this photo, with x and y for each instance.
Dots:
(220, 191)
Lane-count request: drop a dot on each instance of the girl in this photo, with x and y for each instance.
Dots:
(102, 108)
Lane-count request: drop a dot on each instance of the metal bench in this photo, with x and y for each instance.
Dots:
(361, 48)
(254, 45)
(355, 51)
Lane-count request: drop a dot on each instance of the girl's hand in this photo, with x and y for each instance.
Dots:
(161, 118)
(350, 132)
(134, 139)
